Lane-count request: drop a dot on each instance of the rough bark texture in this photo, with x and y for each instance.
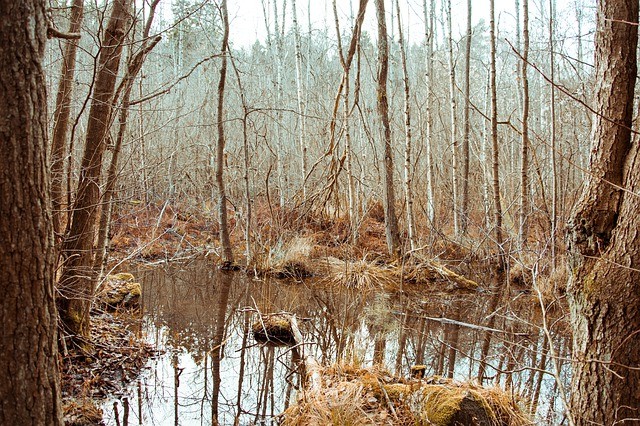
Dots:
(61, 117)
(391, 219)
(227, 252)
(29, 384)
(77, 278)
(604, 237)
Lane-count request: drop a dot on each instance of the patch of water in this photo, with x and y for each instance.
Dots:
(211, 371)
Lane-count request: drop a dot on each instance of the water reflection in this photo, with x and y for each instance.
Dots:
(212, 371)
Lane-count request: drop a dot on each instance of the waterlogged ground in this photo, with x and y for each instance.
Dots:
(193, 312)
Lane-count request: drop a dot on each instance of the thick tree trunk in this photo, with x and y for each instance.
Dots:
(391, 220)
(78, 275)
(30, 381)
(603, 236)
(227, 252)
(61, 117)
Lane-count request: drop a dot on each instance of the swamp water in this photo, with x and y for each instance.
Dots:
(193, 313)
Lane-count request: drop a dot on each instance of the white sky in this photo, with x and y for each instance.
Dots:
(248, 23)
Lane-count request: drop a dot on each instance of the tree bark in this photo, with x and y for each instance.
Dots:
(524, 154)
(227, 252)
(497, 204)
(429, 38)
(30, 384)
(464, 208)
(408, 169)
(391, 220)
(454, 127)
(77, 279)
(603, 236)
(61, 117)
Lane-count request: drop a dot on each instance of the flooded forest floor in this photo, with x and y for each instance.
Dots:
(286, 244)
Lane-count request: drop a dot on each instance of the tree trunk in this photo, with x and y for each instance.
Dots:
(30, 384)
(603, 236)
(524, 161)
(408, 172)
(429, 36)
(454, 126)
(227, 252)
(497, 205)
(299, 92)
(464, 208)
(552, 122)
(391, 220)
(61, 118)
(77, 279)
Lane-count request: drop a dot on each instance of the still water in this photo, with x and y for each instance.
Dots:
(211, 368)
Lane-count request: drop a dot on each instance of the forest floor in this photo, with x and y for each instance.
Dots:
(115, 357)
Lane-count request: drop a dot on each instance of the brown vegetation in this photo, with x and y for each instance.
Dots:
(348, 395)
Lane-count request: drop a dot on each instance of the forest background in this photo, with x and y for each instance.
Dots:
(472, 145)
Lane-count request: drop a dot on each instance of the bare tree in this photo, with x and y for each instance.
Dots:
(429, 40)
(495, 166)
(453, 123)
(408, 169)
(464, 208)
(30, 384)
(227, 252)
(61, 117)
(391, 220)
(524, 161)
(78, 277)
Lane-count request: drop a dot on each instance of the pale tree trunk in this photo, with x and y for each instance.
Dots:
(464, 209)
(429, 35)
(408, 172)
(279, 57)
(300, 95)
(454, 125)
(603, 236)
(78, 276)
(247, 165)
(61, 118)
(227, 252)
(524, 161)
(552, 122)
(30, 384)
(495, 164)
(391, 220)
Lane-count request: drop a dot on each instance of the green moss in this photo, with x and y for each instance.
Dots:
(122, 276)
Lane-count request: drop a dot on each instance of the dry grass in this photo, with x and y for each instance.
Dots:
(348, 395)
(359, 275)
(288, 259)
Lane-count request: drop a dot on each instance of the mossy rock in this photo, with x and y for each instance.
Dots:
(121, 294)
(441, 405)
(122, 276)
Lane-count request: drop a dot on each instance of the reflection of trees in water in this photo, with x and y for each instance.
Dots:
(198, 317)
